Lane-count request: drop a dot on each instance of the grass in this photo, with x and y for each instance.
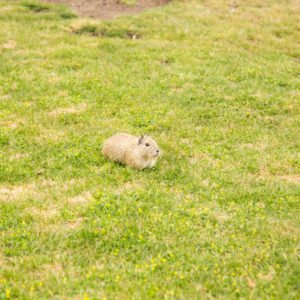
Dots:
(217, 85)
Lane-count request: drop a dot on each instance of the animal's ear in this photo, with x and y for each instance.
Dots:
(140, 139)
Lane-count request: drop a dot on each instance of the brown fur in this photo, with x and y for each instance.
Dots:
(135, 152)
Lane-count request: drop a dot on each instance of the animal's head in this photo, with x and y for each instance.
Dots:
(148, 147)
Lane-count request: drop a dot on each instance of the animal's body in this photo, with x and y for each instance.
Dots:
(135, 152)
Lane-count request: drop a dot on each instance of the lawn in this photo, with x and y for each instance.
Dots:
(217, 84)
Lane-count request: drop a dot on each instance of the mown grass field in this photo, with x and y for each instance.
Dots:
(217, 84)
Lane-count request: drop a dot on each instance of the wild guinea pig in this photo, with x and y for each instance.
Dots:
(136, 152)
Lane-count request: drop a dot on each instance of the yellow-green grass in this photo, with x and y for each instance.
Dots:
(217, 85)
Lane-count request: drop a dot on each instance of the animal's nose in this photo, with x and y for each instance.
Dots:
(157, 151)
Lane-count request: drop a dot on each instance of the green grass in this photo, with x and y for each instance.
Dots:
(217, 86)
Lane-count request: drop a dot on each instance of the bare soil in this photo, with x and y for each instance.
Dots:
(108, 9)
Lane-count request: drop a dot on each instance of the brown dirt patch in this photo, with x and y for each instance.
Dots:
(109, 9)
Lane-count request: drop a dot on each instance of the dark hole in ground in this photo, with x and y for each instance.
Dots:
(108, 9)
(96, 30)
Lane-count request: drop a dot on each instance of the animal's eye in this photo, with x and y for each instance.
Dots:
(147, 145)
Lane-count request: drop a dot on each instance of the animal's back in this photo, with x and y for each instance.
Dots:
(117, 145)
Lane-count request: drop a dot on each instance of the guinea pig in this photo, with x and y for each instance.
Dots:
(136, 152)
